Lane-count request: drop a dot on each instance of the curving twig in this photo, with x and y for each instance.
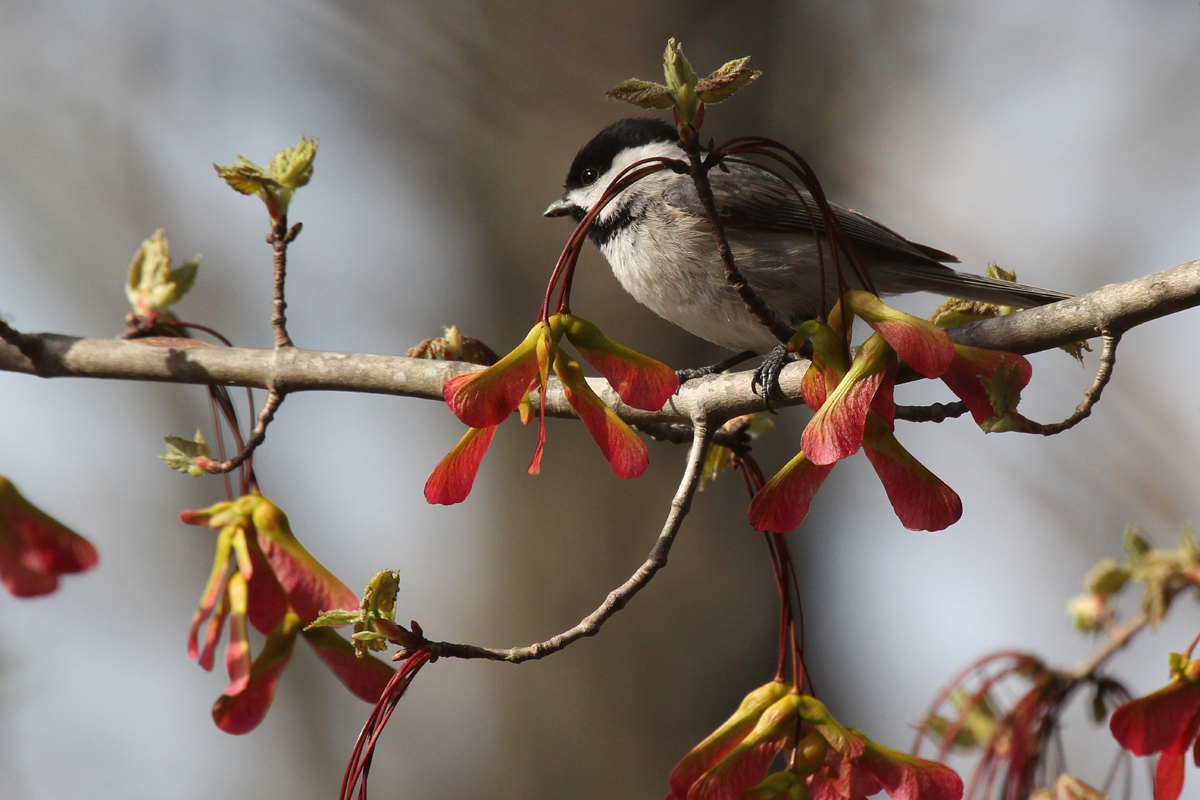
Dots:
(617, 598)
(257, 436)
(1108, 357)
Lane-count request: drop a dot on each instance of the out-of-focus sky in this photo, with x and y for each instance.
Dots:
(1056, 139)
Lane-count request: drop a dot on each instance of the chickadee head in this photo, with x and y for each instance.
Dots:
(605, 156)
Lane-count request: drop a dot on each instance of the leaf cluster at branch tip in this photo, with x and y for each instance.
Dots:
(290, 169)
(683, 89)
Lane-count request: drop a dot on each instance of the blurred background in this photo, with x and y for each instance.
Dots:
(1056, 139)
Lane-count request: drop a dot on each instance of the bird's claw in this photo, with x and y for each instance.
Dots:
(766, 377)
(690, 374)
(685, 375)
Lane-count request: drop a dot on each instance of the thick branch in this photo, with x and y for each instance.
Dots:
(617, 598)
(1116, 307)
(716, 398)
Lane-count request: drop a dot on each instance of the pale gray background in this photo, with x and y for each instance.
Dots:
(1059, 139)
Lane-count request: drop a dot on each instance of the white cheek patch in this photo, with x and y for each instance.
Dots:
(588, 196)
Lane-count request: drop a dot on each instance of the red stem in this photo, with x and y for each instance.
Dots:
(364, 747)
(806, 176)
(1188, 653)
(570, 253)
(219, 397)
(944, 694)
(811, 221)
(187, 325)
(953, 728)
(833, 228)
(787, 583)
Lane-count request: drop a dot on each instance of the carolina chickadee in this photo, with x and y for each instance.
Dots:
(659, 243)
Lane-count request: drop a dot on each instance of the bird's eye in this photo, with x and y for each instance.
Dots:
(590, 175)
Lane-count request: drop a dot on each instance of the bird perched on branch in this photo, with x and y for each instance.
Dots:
(659, 243)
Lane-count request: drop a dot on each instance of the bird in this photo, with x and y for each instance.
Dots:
(659, 243)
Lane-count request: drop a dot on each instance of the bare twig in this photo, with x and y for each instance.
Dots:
(1118, 637)
(679, 433)
(617, 598)
(754, 304)
(1108, 357)
(257, 436)
(936, 412)
(28, 346)
(279, 238)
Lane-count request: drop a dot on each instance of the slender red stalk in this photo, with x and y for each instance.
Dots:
(216, 421)
(363, 753)
(219, 398)
(952, 730)
(805, 174)
(944, 694)
(570, 253)
(791, 637)
(187, 326)
(627, 178)
(838, 241)
(811, 221)
(785, 611)
(1188, 653)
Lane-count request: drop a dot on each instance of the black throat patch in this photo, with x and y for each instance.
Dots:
(602, 232)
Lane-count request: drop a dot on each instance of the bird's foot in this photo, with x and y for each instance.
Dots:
(685, 375)
(766, 377)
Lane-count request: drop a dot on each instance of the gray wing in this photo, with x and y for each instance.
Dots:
(750, 200)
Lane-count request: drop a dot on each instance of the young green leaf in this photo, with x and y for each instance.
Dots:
(721, 85)
(188, 455)
(643, 94)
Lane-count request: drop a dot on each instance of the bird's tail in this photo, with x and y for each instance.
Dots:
(976, 287)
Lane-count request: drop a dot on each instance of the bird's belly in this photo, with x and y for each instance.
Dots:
(689, 292)
(693, 292)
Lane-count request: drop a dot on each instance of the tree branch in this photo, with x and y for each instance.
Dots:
(28, 346)
(935, 412)
(1118, 637)
(617, 598)
(715, 398)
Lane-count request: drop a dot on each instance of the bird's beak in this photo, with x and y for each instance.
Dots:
(559, 208)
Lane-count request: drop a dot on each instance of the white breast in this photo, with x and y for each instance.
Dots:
(653, 260)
